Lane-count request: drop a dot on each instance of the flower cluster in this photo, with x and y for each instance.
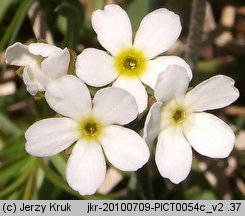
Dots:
(95, 124)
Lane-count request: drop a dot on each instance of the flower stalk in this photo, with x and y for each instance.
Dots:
(194, 40)
(144, 179)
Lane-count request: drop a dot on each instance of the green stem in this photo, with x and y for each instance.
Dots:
(194, 40)
(144, 179)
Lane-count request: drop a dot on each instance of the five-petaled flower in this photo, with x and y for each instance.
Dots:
(180, 123)
(177, 118)
(92, 126)
(130, 64)
(42, 63)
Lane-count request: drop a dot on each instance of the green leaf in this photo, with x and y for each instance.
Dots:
(10, 170)
(195, 193)
(19, 181)
(59, 163)
(15, 148)
(30, 187)
(15, 25)
(4, 5)
(56, 179)
(16, 195)
(97, 4)
(74, 17)
(43, 110)
(8, 125)
(136, 10)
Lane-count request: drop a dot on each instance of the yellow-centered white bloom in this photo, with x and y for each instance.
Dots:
(42, 63)
(177, 118)
(93, 126)
(130, 63)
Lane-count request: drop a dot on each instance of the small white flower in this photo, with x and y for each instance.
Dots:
(129, 63)
(42, 63)
(180, 123)
(92, 126)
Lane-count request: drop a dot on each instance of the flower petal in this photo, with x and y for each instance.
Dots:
(173, 155)
(124, 148)
(18, 54)
(34, 79)
(171, 83)
(217, 92)
(113, 28)
(31, 86)
(152, 123)
(159, 65)
(50, 136)
(115, 106)
(136, 88)
(57, 64)
(43, 49)
(69, 96)
(86, 168)
(209, 136)
(95, 74)
(157, 32)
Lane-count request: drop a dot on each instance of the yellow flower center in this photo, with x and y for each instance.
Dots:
(175, 113)
(130, 63)
(90, 129)
(178, 115)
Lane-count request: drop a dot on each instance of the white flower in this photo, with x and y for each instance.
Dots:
(130, 64)
(92, 126)
(180, 123)
(42, 63)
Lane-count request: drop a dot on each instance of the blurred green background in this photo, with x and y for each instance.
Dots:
(67, 24)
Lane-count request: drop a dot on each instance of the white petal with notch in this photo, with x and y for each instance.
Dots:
(217, 92)
(48, 137)
(124, 148)
(113, 28)
(209, 135)
(86, 168)
(173, 155)
(95, 67)
(157, 32)
(115, 106)
(69, 96)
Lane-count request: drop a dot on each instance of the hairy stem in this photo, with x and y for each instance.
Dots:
(194, 40)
